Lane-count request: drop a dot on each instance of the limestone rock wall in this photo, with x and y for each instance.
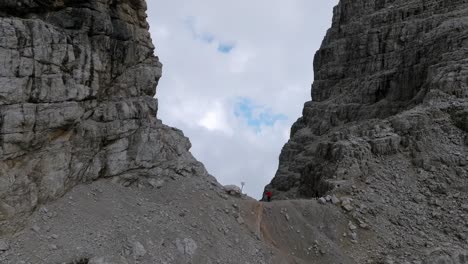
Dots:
(391, 78)
(77, 80)
(387, 124)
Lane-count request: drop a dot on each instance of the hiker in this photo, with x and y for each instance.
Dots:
(268, 196)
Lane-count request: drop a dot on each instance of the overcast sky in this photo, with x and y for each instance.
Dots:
(236, 75)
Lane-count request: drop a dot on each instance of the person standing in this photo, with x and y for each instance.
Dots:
(268, 196)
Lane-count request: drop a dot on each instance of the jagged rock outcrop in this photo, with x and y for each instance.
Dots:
(77, 80)
(387, 123)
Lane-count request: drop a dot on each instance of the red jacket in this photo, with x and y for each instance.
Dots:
(268, 194)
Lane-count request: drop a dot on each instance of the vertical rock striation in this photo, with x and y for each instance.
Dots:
(77, 80)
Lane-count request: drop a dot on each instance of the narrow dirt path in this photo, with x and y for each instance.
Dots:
(261, 229)
(259, 219)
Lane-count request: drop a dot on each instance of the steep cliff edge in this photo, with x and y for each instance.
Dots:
(387, 124)
(77, 83)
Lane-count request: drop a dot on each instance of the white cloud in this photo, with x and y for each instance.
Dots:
(215, 119)
(160, 32)
(217, 51)
(239, 60)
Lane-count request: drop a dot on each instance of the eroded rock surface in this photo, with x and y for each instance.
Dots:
(77, 80)
(387, 124)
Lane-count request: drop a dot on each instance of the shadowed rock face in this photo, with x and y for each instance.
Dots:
(391, 78)
(77, 80)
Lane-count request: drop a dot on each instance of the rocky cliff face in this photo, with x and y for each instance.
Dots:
(390, 81)
(387, 124)
(77, 80)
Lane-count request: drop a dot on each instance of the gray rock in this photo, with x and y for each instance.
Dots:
(233, 190)
(156, 183)
(139, 250)
(388, 115)
(82, 108)
(335, 200)
(345, 201)
(53, 247)
(186, 246)
(4, 245)
(348, 207)
(36, 228)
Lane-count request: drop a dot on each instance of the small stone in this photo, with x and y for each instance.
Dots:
(158, 184)
(418, 198)
(465, 207)
(335, 200)
(53, 247)
(139, 250)
(348, 208)
(364, 225)
(352, 226)
(4, 245)
(345, 201)
(322, 200)
(187, 246)
(287, 216)
(240, 220)
(36, 228)
(233, 190)
(328, 198)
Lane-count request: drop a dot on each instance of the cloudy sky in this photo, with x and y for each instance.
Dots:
(236, 75)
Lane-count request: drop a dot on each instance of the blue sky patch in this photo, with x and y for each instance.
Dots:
(225, 47)
(207, 37)
(256, 116)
